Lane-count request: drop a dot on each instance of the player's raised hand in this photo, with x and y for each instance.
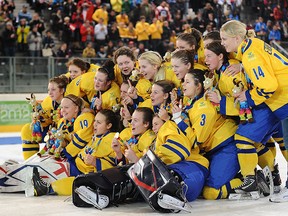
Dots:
(98, 102)
(163, 113)
(132, 91)
(130, 154)
(177, 107)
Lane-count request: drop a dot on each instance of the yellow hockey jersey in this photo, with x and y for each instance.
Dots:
(139, 144)
(110, 98)
(268, 71)
(99, 147)
(173, 146)
(209, 129)
(225, 85)
(80, 133)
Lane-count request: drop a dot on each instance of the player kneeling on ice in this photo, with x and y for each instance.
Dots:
(97, 155)
(165, 188)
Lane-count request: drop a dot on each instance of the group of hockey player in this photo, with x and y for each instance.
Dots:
(195, 123)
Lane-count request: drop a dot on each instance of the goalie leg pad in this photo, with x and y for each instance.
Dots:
(153, 178)
(193, 175)
(114, 183)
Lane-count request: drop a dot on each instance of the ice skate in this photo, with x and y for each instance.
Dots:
(262, 183)
(169, 202)
(280, 197)
(276, 179)
(40, 186)
(247, 190)
(92, 197)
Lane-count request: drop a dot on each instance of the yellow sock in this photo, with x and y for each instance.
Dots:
(232, 184)
(29, 149)
(63, 187)
(265, 156)
(283, 149)
(247, 155)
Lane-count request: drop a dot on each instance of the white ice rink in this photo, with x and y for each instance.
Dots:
(18, 204)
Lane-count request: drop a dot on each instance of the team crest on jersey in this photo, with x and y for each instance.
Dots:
(251, 56)
(202, 105)
(78, 82)
(267, 48)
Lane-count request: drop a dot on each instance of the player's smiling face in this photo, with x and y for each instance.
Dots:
(157, 95)
(212, 60)
(138, 125)
(189, 87)
(147, 69)
(157, 123)
(230, 43)
(179, 68)
(74, 71)
(100, 125)
(100, 81)
(69, 109)
(125, 64)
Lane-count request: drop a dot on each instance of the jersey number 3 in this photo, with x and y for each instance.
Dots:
(203, 120)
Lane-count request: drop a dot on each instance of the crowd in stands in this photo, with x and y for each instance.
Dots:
(96, 28)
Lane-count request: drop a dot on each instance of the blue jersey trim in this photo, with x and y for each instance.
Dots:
(179, 145)
(175, 151)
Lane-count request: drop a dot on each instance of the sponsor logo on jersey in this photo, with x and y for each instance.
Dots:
(251, 56)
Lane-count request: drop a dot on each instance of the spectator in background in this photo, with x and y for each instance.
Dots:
(110, 49)
(101, 54)
(24, 13)
(64, 53)
(68, 30)
(89, 51)
(122, 18)
(146, 10)
(275, 35)
(100, 32)
(48, 41)
(141, 49)
(9, 40)
(34, 40)
(57, 24)
(198, 22)
(101, 13)
(166, 34)
(69, 7)
(156, 31)
(87, 33)
(36, 21)
(278, 13)
(163, 11)
(77, 20)
(87, 10)
(113, 33)
(126, 7)
(261, 29)
(22, 33)
(142, 31)
(116, 5)
(131, 32)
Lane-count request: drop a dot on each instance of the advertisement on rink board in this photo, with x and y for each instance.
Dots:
(15, 111)
(13, 115)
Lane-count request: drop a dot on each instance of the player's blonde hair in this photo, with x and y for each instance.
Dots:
(234, 28)
(154, 58)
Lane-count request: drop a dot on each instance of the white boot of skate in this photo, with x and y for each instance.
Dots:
(99, 201)
(169, 202)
